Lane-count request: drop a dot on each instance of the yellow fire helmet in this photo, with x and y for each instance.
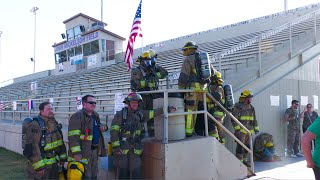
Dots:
(246, 93)
(217, 77)
(144, 56)
(152, 53)
(189, 48)
(75, 170)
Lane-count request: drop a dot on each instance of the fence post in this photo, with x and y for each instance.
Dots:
(165, 118)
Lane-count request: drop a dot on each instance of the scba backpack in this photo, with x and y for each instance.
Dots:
(27, 148)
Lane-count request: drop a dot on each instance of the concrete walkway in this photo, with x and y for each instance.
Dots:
(287, 168)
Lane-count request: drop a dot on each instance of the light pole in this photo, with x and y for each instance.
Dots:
(34, 10)
(0, 47)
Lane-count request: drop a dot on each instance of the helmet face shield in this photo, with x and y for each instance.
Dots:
(146, 63)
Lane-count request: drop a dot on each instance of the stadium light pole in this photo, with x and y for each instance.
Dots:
(285, 5)
(101, 10)
(34, 10)
(0, 47)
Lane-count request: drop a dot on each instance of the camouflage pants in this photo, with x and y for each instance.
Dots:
(293, 141)
(147, 104)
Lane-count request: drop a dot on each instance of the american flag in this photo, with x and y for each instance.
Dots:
(135, 31)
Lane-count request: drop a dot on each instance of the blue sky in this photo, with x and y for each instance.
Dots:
(161, 20)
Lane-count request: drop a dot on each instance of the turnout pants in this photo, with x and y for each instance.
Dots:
(128, 166)
(50, 172)
(147, 104)
(191, 104)
(241, 153)
(91, 169)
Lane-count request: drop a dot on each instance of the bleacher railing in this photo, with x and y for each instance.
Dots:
(19, 115)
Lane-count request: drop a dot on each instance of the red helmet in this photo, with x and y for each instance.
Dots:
(132, 97)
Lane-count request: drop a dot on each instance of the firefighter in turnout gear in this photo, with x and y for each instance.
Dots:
(245, 113)
(44, 147)
(126, 129)
(190, 79)
(85, 137)
(216, 90)
(146, 77)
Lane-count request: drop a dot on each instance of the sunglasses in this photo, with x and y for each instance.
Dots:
(91, 102)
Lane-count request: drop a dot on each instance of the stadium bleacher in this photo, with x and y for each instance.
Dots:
(238, 68)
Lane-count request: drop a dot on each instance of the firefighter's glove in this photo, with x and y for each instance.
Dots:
(117, 151)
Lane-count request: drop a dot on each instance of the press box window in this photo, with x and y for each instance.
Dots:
(70, 34)
(61, 57)
(91, 48)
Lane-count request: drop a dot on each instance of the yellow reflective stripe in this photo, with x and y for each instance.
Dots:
(83, 160)
(189, 129)
(53, 145)
(115, 143)
(197, 86)
(246, 118)
(51, 160)
(194, 71)
(74, 132)
(142, 83)
(158, 75)
(138, 132)
(127, 132)
(223, 141)
(152, 84)
(39, 164)
(214, 135)
(237, 127)
(210, 105)
(125, 151)
(243, 131)
(75, 149)
(151, 114)
(218, 113)
(115, 128)
(63, 156)
(256, 128)
(138, 151)
(88, 138)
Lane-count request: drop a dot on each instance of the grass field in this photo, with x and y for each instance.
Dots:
(12, 165)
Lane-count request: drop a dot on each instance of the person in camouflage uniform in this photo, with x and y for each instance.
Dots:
(85, 137)
(292, 117)
(216, 90)
(45, 148)
(189, 79)
(146, 77)
(126, 137)
(245, 113)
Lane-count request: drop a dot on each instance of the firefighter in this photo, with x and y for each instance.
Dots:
(85, 137)
(216, 90)
(126, 129)
(146, 77)
(245, 113)
(45, 148)
(190, 79)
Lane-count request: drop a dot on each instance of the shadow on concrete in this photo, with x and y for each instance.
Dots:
(263, 166)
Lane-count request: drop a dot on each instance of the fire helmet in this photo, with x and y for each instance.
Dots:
(132, 97)
(246, 93)
(189, 48)
(75, 170)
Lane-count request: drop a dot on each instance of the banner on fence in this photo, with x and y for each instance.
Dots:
(14, 105)
(79, 103)
(118, 102)
(30, 104)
